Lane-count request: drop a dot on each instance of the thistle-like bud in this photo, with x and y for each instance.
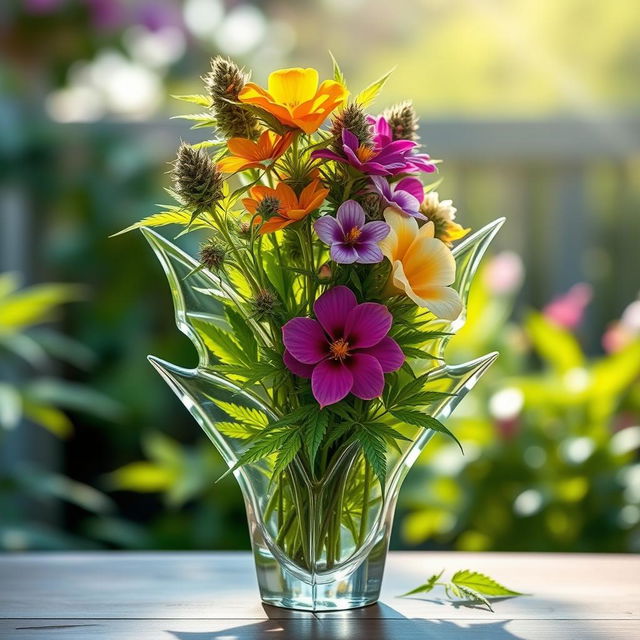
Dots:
(244, 228)
(352, 118)
(212, 255)
(268, 207)
(224, 82)
(196, 180)
(403, 121)
(443, 214)
(372, 206)
(324, 273)
(264, 304)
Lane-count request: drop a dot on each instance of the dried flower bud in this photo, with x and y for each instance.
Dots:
(196, 180)
(352, 118)
(212, 255)
(224, 82)
(264, 304)
(244, 228)
(324, 273)
(372, 205)
(268, 207)
(403, 121)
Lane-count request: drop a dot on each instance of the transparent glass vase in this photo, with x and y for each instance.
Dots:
(320, 533)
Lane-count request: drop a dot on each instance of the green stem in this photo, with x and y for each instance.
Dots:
(364, 516)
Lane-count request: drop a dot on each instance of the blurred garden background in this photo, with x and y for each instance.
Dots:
(533, 106)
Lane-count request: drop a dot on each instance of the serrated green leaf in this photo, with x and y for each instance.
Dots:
(314, 431)
(286, 453)
(238, 430)
(246, 415)
(426, 587)
(243, 333)
(202, 101)
(481, 583)
(471, 594)
(418, 419)
(164, 218)
(374, 450)
(368, 95)
(220, 343)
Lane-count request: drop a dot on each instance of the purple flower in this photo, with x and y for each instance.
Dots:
(346, 350)
(373, 160)
(413, 162)
(406, 195)
(350, 239)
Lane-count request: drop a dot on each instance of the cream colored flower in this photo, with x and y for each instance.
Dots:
(442, 214)
(421, 265)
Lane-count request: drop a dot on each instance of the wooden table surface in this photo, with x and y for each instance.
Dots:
(207, 596)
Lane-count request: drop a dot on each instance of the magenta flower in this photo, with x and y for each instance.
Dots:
(413, 162)
(373, 160)
(406, 195)
(346, 350)
(350, 239)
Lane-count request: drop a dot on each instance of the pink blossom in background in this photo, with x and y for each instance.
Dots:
(568, 309)
(504, 273)
(107, 14)
(620, 333)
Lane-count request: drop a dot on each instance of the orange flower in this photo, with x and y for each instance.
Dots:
(292, 208)
(247, 154)
(294, 98)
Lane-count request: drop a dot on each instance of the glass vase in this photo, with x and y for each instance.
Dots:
(319, 532)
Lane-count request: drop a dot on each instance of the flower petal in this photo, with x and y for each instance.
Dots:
(350, 215)
(382, 186)
(331, 381)
(388, 353)
(343, 253)
(305, 339)
(295, 366)
(293, 86)
(374, 231)
(328, 230)
(368, 378)
(332, 309)
(443, 302)
(368, 253)
(412, 186)
(367, 324)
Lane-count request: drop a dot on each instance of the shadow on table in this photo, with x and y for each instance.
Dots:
(377, 622)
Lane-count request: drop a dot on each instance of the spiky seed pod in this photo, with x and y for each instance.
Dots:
(268, 207)
(403, 120)
(196, 180)
(352, 118)
(264, 304)
(212, 255)
(372, 206)
(223, 83)
(244, 229)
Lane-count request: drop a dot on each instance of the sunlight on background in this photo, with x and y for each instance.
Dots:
(533, 108)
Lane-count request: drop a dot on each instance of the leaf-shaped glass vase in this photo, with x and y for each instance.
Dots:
(320, 535)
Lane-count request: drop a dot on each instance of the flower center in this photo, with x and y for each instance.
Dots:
(339, 349)
(365, 153)
(351, 237)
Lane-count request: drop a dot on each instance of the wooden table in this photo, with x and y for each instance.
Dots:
(207, 596)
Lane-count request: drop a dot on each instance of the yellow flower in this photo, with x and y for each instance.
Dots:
(294, 98)
(443, 215)
(421, 266)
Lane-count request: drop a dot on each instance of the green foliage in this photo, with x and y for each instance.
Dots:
(468, 586)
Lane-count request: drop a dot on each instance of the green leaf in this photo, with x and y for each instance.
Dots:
(368, 95)
(245, 415)
(314, 431)
(374, 450)
(481, 583)
(338, 76)
(236, 430)
(287, 452)
(10, 407)
(220, 343)
(426, 587)
(202, 101)
(163, 218)
(470, 594)
(418, 419)
(555, 345)
(261, 448)
(242, 333)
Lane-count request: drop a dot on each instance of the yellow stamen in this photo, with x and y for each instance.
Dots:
(365, 153)
(339, 349)
(351, 237)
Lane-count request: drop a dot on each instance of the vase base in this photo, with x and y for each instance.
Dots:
(303, 604)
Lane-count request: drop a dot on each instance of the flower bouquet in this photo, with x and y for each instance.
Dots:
(320, 306)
